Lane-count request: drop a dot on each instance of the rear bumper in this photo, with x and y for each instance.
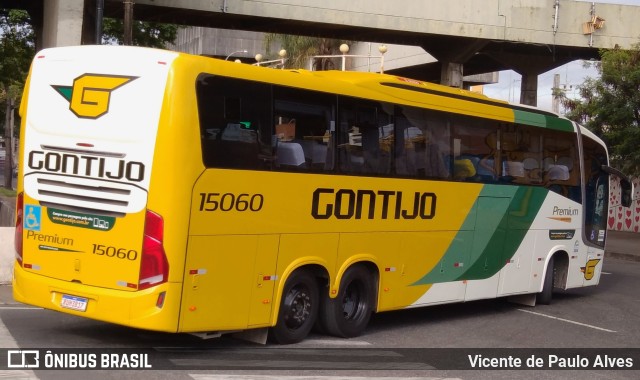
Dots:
(128, 308)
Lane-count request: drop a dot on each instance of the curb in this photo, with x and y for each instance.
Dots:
(7, 211)
(7, 254)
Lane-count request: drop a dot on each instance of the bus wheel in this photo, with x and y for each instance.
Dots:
(544, 297)
(298, 309)
(348, 314)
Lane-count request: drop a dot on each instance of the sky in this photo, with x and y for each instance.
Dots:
(572, 74)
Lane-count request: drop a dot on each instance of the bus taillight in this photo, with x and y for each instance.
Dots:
(154, 267)
(19, 227)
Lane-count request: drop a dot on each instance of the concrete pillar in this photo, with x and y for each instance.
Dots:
(530, 64)
(555, 102)
(89, 32)
(529, 89)
(451, 74)
(62, 23)
(452, 58)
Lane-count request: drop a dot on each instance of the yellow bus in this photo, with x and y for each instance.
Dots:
(179, 193)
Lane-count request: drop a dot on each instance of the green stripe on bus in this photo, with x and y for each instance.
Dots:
(543, 121)
(490, 235)
(559, 124)
(507, 235)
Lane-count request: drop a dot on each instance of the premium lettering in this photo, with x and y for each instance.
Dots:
(371, 204)
(565, 211)
(89, 166)
(52, 239)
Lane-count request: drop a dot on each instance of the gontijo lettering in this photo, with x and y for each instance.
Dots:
(385, 204)
(85, 165)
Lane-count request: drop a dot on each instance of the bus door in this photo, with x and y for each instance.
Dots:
(488, 245)
(597, 211)
(595, 208)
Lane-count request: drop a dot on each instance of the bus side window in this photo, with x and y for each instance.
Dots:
(303, 123)
(422, 143)
(437, 147)
(561, 171)
(475, 155)
(363, 136)
(531, 155)
(360, 145)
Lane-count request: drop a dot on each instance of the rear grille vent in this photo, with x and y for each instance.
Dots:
(83, 198)
(86, 193)
(62, 184)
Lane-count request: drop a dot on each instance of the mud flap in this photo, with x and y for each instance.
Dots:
(523, 299)
(258, 336)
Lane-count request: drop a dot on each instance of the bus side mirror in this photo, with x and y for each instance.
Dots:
(625, 185)
(626, 192)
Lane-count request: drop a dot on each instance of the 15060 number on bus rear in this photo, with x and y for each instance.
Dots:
(118, 253)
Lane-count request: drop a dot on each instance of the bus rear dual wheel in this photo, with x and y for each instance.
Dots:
(302, 307)
(348, 314)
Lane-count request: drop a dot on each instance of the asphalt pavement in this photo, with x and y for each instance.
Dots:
(623, 245)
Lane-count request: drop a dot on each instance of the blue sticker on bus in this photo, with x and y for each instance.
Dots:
(32, 217)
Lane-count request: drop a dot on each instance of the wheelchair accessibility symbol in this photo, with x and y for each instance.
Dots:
(32, 218)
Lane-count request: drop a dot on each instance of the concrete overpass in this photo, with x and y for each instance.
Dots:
(466, 36)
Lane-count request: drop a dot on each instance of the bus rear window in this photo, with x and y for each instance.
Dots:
(257, 126)
(234, 127)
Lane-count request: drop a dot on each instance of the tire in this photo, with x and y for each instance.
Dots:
(544, 297)
(298, 309)
(348, 314)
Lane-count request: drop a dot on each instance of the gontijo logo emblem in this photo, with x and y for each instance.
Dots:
(90, 94)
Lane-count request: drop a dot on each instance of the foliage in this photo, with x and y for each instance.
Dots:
(17, 48)
(4, 192)
(610, 106)
(301, 48)
(149, 34)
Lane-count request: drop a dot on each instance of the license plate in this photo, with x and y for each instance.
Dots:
(73, 302)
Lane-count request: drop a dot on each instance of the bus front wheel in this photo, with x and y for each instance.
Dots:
(298, 309)
(348, 314)
(544, 297)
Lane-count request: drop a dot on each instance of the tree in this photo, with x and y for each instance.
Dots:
(610, 106)
(17, 48)
(149, 34)
(301, 48)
